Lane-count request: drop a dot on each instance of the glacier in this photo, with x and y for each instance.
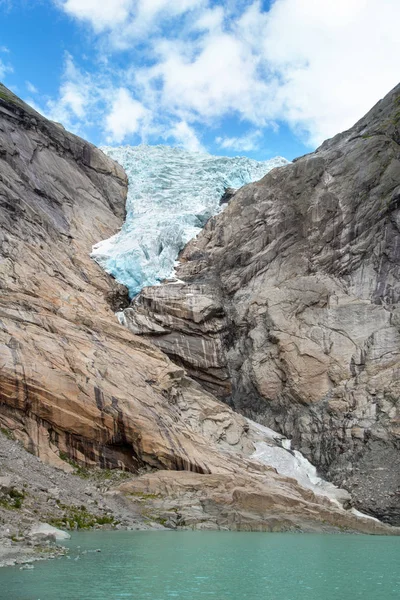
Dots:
(172, 193)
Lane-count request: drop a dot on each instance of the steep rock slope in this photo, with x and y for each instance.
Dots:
(70, 377)
(289, 307)
(74, 383)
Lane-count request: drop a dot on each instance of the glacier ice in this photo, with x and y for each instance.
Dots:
(171, 195)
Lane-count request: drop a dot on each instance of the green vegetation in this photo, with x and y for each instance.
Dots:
(152, 518)
(12, 500)
(78, 469)
(162, 521)
(5, 96)
(7, 432)
(78, 517)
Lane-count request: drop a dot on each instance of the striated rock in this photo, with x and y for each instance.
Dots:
(74, 384)
(260, 501)
(290, 309)
(188, 323)
(72, 381)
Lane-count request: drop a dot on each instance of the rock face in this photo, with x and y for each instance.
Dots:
(236, 502)
(188, 323)
(289, 307)
(72, 379)
(76, 385)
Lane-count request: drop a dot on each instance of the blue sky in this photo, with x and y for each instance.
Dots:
(234, 77)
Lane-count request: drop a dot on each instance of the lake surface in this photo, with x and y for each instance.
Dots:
(214, 565)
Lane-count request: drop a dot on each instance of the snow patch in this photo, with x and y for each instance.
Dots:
(274, 450)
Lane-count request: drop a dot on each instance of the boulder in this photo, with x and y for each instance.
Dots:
(46, 531)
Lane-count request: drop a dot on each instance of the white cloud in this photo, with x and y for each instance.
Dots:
(210, 20)
(76, 95)
(316, 65)
(102, 14)
(31, 88)
(185, 136)
(81, 102)
(209, 78)
(125, 116)
(85, 100)
(127, 20)
(245, 143)
(334, 60)
(4, 69)
(149, 9)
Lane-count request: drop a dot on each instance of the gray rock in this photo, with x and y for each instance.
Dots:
(290, 307)
(77, 389)
(44, 529)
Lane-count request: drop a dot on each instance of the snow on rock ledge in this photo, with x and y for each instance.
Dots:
(274, 450)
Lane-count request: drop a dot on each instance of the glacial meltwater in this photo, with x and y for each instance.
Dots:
(221, 565)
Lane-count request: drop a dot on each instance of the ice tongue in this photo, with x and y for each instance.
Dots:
(172, 193)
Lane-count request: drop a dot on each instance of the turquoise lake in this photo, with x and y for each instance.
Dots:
(216, 565)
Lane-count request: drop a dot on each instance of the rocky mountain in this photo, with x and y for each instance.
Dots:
(79, 389)
(288, 307)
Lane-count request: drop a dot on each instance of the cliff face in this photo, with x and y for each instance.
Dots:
(290, 307)
(72, 379)
(75, 384)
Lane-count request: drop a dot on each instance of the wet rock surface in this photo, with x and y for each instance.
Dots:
(289, 307)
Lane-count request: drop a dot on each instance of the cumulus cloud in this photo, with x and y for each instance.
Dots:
(185, 136)
(126, 20)
(88, 99)
(333, 60)
(76, 95)
(83, 99)
(317, 66)
(216, 75)
(245, 143)
(101, 14)
(125, 116)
